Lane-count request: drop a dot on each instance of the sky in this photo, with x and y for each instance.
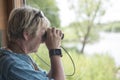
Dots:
(67, 16)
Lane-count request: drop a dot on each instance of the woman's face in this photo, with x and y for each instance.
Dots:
(37, 40)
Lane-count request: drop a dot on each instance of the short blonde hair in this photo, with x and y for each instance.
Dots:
(25, 19)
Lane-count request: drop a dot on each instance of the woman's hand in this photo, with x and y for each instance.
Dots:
(53, 38)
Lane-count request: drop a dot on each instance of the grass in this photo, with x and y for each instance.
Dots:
(95, 67)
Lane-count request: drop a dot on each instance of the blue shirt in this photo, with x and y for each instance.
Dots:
(18, 67)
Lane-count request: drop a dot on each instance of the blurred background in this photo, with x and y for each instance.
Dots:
(92, 35)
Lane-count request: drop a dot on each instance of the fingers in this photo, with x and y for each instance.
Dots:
(53, 39)
(55, 32)
(49, 32)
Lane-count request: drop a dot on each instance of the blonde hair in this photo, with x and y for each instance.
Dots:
(25, 19)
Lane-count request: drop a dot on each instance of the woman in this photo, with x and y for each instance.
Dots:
(27, 29)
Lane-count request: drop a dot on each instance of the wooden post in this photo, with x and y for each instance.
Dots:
(5, 8)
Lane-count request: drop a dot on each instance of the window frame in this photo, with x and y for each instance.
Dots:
(7, 8)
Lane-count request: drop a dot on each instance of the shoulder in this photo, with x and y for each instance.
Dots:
(15, 66)
(5, 58)
(5, 62)
(8, 59)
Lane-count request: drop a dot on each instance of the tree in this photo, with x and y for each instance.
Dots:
(49, 8)
(88, 11)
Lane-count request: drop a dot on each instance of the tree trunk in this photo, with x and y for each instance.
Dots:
(85, 39)
(89, 27)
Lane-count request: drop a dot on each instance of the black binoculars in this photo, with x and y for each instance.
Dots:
(45, 35)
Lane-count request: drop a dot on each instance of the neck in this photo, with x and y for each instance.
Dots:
(17, 47)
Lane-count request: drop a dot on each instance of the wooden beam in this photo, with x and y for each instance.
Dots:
(14, 4)
(19, 3)
(3, 14)
(6, 7)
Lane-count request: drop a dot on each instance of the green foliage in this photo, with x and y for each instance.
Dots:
(76, 32)
(50, 9)
(90, 8)
(94, 67)
(43, 53)
(87, 12)
(110, 27)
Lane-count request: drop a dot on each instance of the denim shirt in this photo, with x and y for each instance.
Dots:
(18, 67)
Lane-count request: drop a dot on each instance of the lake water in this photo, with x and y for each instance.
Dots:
(109, 43)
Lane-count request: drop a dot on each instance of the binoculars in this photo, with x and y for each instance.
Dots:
(45, 35)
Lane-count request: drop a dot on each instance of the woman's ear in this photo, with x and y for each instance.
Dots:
(26, 35)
